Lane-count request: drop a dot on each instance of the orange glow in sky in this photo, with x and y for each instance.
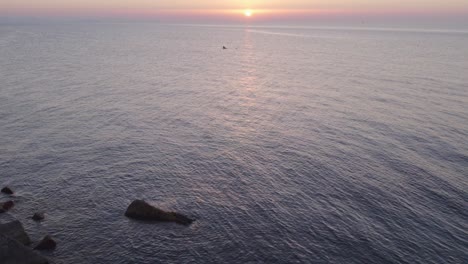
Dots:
(240, 4)
(253, 10)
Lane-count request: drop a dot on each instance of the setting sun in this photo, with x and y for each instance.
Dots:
(248, 13)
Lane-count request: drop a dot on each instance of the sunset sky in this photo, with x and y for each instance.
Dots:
(235, 9)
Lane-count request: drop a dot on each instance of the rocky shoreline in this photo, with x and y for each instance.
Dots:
(15, 242)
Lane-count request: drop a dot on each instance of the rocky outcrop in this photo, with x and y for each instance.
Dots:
(39, 216)
(7, 190)
(13, 252)
(14, 239)
(141, 210)
(15, 230)
(47, 243)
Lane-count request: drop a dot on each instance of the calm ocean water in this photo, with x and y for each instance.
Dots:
(295, 145)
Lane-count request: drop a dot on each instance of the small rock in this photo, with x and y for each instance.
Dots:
(38, 216)
(7, 190)
(47, 243)
(141, 210)
(15, 230)
(7, 205)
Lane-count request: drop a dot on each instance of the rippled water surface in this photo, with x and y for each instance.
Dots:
(294, 145)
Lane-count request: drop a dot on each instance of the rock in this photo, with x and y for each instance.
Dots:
(12, 252)
(38, 216)
(15, 230)
(7, 205)
(47, 243)
(6, 190)
(224, 47)
(141, 210)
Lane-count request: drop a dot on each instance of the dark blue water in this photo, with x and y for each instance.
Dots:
(295, 145)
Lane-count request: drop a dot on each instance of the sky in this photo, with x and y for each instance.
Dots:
(454, 11)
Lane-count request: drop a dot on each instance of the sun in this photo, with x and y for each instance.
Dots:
(248, 13)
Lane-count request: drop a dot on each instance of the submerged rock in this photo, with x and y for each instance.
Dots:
(47, 243)
(13, 252)
(15, 230)
(141, 210)
(6, 190)
(7, 205)
(38, 216)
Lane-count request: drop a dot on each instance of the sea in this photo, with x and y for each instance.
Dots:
(296, 144)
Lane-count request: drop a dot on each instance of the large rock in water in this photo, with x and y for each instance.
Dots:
(141, 210)
(6, 190)
(12, 252)
(15, 230)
